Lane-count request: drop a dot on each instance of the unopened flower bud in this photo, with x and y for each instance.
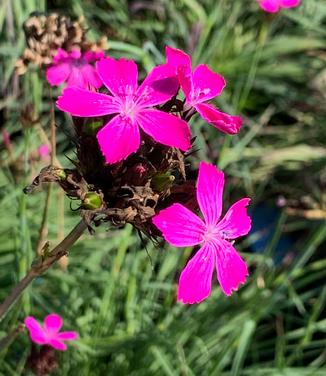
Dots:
(137, 174)
(92, 201)
(61, 173)
(163, 181)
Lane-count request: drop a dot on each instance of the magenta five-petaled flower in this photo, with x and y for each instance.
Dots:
(200, 86)
(132, 106)
(75, 69)
(49, 334)
(273, 6)
(182, 228)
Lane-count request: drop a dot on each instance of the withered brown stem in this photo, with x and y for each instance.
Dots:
(42, 264)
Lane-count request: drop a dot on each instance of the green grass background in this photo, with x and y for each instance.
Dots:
(117, 295)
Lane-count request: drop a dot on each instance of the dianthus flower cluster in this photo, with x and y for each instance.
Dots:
(133, 120)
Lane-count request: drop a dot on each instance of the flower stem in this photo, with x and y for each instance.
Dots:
(42, 264)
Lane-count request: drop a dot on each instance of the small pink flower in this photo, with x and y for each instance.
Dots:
(44, 151)
(132, 106)
(49, 334)
(74, 68)
(273, 6)
(199, 86)
(182, 228)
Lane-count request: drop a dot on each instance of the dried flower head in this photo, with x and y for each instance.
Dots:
(45, 33)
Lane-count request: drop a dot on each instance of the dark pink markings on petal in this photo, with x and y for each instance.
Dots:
(236, 221)
(85, 103)
(180, 226)
(224, 122)
(232, 270)
(57, 74)
(206, 84)
(118, 139)
(119, 76)
(158, 87)
(165, 128)
(196, 278)
(210, 186)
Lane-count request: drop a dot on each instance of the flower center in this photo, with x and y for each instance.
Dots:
(211, 233)
(78, 62)
(198, 94)
(128, 107)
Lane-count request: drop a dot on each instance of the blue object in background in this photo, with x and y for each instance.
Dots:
(264, 221)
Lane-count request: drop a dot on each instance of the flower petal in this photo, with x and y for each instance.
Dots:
(57, 74)
(91, 56)
(270, 6)
(177, 58)
(196, 278)
(158, 87)
(289, 3)
(35, 330)
(91, 77)
(180, 226)
(206, 84)
(224, 122)
(77, 79)
(60, 55)
(67, 336)
(57, 344)
(52, 323)
(119, 76)
(118, 139)
(232, 271)
(85, 103)
(236, 221)
(186, 82)
(165, 128)
(210, 185)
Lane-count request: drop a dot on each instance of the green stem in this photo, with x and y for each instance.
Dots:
(41, 265)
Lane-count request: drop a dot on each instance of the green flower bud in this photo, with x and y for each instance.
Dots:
(163, 181)
(92, 201)
(61, 174)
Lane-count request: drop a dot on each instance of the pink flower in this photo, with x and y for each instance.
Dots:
(49, 335)
(182, 228)
(199, 86)
(74, 68)
(43, 151)
(273, 6)
(132, 106)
